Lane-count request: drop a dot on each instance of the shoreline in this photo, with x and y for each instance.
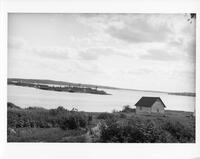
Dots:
(47, 109)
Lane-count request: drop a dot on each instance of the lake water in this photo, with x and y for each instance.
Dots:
(26, 96)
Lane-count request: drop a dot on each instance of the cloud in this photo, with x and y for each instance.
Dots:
(52, 53)
(187, 47)
(140, 31)
(46, 52)
(138, 71)
(160, 55)
(88, 68)
(178, 43)
(190, 50)
(88, 55)
(95, 53)
(17, 43)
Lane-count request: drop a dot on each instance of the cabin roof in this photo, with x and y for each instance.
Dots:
(148, 101)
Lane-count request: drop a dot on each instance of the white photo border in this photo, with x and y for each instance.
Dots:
(93, 150)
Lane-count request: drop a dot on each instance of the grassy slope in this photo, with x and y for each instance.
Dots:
(55, 134)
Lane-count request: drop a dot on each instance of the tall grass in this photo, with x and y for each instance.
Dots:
(42, 118)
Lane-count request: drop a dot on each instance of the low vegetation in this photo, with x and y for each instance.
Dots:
(34, 124)
(136, 130)
(105, 116)
(34, 117)
(128, 109)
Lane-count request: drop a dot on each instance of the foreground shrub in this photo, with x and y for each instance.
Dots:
(90, 118)
(105, 116)
(145, 131)
(43, 118)
(116, 132)
(128, 109)
(73, 121)
(58, 111)
(180, 132)
(122, 115)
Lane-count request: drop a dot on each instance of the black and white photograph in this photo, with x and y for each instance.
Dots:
(101, 77)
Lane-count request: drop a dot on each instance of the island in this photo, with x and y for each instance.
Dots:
(67, 87)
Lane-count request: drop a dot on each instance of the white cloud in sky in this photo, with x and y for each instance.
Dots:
(139, 51)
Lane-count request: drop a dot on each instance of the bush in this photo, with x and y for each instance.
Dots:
(105, 116)
(122, 115)
(115, 111)
(57, 111)
(11, 105)
(127, 109)
(180, 132)
(148, 131)
(73, 121)
(90, 118)
(121, 133)
(42, 118)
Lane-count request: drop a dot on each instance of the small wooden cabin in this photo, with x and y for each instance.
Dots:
(150, 105)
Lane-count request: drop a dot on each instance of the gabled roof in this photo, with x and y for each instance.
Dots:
(148, 101)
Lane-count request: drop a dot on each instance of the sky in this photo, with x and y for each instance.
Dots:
(135, 51)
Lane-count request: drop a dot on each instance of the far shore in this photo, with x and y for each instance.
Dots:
(80, 88)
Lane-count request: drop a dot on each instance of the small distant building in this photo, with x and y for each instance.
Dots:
(150, 105)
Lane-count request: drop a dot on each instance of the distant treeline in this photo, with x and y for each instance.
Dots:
(184, 94)
(63, 88)
(52, 82)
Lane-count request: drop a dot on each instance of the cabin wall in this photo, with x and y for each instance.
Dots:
(141, 109)
(157, 107)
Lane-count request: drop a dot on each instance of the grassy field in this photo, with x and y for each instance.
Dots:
(61, 125)
(43, 135)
